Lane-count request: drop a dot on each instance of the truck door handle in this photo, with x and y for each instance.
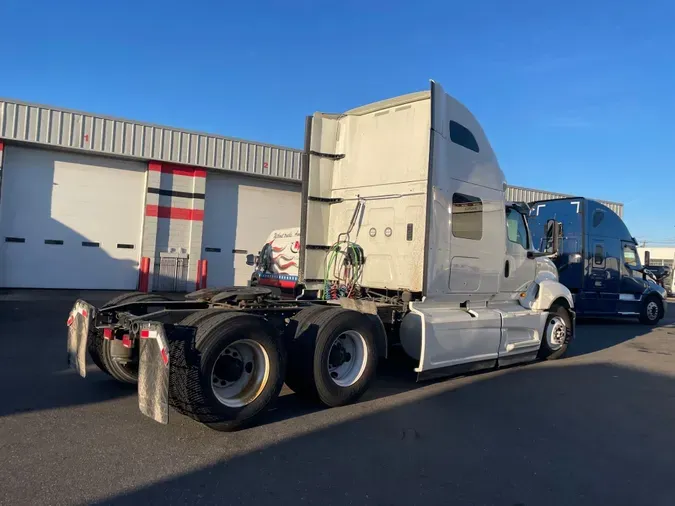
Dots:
(506, 269)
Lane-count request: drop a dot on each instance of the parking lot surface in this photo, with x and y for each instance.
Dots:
(594, 428)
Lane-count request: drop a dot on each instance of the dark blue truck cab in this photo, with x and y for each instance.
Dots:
(597, 259)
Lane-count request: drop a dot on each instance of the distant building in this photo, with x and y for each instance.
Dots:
(519, 194)
(661, 255)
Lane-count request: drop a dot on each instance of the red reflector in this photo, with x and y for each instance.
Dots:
(126, 341)
(165, 357)
(107, 333)
(145, 334)
(70, 320)
(84, 313)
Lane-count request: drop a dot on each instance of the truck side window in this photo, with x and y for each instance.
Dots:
(599, 256)
(461, 135)
(516, 229)
(467, 217)
(629, 255)
(598, 216)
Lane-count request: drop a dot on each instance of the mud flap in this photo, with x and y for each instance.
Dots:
(153, 372)
(79, 323)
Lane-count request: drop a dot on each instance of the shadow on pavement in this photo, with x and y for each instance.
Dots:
(547, 434)
(34, 374)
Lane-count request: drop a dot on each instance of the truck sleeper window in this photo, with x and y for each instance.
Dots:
(461, 135)
(467, 217)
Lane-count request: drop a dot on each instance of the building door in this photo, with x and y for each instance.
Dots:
(239, 214)
(70, 220)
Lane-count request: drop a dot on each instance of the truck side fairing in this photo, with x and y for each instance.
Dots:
(466, 229)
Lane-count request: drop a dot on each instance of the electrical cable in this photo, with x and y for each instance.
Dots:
(344, 263)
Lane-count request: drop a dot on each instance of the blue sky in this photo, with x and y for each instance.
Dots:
(576, 97)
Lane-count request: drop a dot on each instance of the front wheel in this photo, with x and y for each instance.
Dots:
(557, 334)
(651, 311)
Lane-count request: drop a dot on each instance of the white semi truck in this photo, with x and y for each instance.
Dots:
(406, 240)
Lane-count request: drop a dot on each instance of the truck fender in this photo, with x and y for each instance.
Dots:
(381, 340)
(544, 292)
(369, 309)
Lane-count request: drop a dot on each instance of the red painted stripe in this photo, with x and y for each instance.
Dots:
(178, 170)
(174, 213)
(277, 283)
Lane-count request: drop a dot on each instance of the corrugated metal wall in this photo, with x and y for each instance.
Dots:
(82, 131)
(518, 194)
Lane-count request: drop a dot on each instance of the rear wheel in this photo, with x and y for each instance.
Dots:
(101, 350)
(651, 311)
(199, 317)
(299, 375)
(238, 371)
(557, 334)
(333, 356)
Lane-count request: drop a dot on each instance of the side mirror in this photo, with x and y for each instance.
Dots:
(553, 230)
(574, 258)
(647, 258)
(250, 259)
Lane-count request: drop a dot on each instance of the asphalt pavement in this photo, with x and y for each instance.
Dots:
(595, 428)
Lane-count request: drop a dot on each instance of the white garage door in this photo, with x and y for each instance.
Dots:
(70, 220)
(239, 214)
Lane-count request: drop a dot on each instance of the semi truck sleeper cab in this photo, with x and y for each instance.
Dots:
(597, 260)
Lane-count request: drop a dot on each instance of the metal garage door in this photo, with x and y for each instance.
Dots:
(239, 214)
(70, 220)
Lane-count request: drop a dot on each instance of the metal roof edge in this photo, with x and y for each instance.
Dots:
(563, 195)
(145, 123)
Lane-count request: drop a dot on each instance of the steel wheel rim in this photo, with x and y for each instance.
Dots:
(556, 334)
(652, 310)
(347, 358)
(240, 373)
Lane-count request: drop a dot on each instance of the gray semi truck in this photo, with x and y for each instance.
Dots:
(406, 240)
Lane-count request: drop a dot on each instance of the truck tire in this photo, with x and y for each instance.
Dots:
(651, 311)
(557, 334)
(197, 318)
(125, 297)
(237, 372)
(100, 350)
(334, 356)
(299, 372)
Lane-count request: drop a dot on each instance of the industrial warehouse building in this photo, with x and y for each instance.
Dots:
(84, 198)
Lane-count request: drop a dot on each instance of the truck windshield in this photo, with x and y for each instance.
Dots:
(630, 255)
